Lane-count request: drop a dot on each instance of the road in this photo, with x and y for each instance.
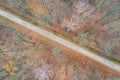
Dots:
(60, 40)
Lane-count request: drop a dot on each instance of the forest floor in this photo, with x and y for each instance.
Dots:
(67, 36)
(24, 54)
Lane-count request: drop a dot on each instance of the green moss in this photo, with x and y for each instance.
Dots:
(7, 20)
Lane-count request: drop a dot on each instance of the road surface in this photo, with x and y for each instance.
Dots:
(60, 40)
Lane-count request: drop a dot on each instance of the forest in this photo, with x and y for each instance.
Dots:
(95, 24)
(27, 55)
